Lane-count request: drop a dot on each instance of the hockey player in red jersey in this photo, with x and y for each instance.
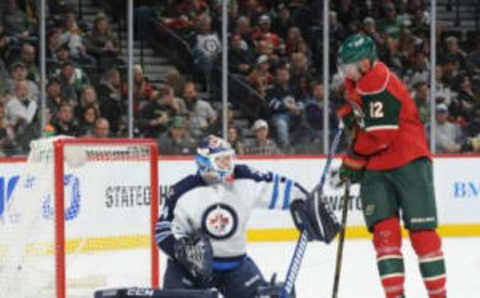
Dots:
(389, 157)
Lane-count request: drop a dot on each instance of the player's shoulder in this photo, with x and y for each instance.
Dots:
(184, 186)
(375, 81)
(244, 172)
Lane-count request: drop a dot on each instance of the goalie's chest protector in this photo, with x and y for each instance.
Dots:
(222, 211)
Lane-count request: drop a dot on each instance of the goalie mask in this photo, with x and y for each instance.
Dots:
(215, 160)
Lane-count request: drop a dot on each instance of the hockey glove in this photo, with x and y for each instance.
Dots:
(352, 168)
(315, 217)
(195, 253)
(346, 115)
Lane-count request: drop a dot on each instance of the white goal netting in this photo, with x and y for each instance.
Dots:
(106, 193)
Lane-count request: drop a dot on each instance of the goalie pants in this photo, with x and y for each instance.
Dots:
(241, 282)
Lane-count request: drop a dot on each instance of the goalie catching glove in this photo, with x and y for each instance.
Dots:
(195, 253)
(316, 218)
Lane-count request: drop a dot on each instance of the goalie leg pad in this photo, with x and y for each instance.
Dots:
(427, 245)
(314, 216)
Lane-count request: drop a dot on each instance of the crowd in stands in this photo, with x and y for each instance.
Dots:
(276, 89)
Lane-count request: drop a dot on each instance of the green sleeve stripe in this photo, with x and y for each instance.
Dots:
(380, 127)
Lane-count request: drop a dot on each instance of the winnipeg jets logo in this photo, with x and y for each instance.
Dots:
(220, 221)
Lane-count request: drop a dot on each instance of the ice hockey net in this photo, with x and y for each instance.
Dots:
(41, 249)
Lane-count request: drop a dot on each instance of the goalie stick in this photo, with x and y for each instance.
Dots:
(302, 241)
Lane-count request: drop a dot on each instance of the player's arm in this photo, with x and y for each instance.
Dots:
(176, 237)
(274, 191)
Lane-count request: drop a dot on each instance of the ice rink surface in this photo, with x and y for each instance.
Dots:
(359, 277)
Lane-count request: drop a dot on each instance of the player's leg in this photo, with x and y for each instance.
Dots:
(380, 209)
(243, 281)
(176, 277)
(417, 199)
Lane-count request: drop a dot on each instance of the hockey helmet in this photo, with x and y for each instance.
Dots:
(215, 160)
(353, 50)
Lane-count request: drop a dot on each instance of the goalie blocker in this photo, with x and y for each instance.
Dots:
(135, 292)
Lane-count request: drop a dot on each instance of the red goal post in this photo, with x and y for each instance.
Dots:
(60, 148)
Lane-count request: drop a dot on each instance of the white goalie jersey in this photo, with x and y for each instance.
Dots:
(222, 210)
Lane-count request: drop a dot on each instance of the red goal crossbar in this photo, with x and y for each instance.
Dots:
(59, 145)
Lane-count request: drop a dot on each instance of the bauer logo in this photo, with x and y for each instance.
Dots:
(7, 186)
(466, 190)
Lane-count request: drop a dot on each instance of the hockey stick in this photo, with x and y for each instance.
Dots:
(341, 240)
(302, 241)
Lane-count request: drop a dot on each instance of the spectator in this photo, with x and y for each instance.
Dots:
(53, 43)
(263, 31)
(243, 29)
(54, 95)
(234, 140)
(262, 144)
(420, 22)
(22, 108)
(157, 114)
(206, 47)
(443, 90)
(462, 107)
(217, 128)
(88, 98)
(175, 79)
(294, 38)
(19, 73)
(100, 42)
(21, 111)
(87, 126)
(283, 106)
(454, 51)
(102, 128)
(284, 21)
(73, 80)
(450, 71)
(240, 59)
(64, 123)
(176, 140)
(112, 105)
(298, 68)
(16, 22)
(62, 55)
(202, 115)
(28, 57)
(448, 135)
(421, 98)
(72, 36)
(420, 70)
(392, 55)
(314, 112)
(7, 135)
(389, 25)
(370, 29)
(142, 89)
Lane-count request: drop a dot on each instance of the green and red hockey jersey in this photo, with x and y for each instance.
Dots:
(391, 133)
